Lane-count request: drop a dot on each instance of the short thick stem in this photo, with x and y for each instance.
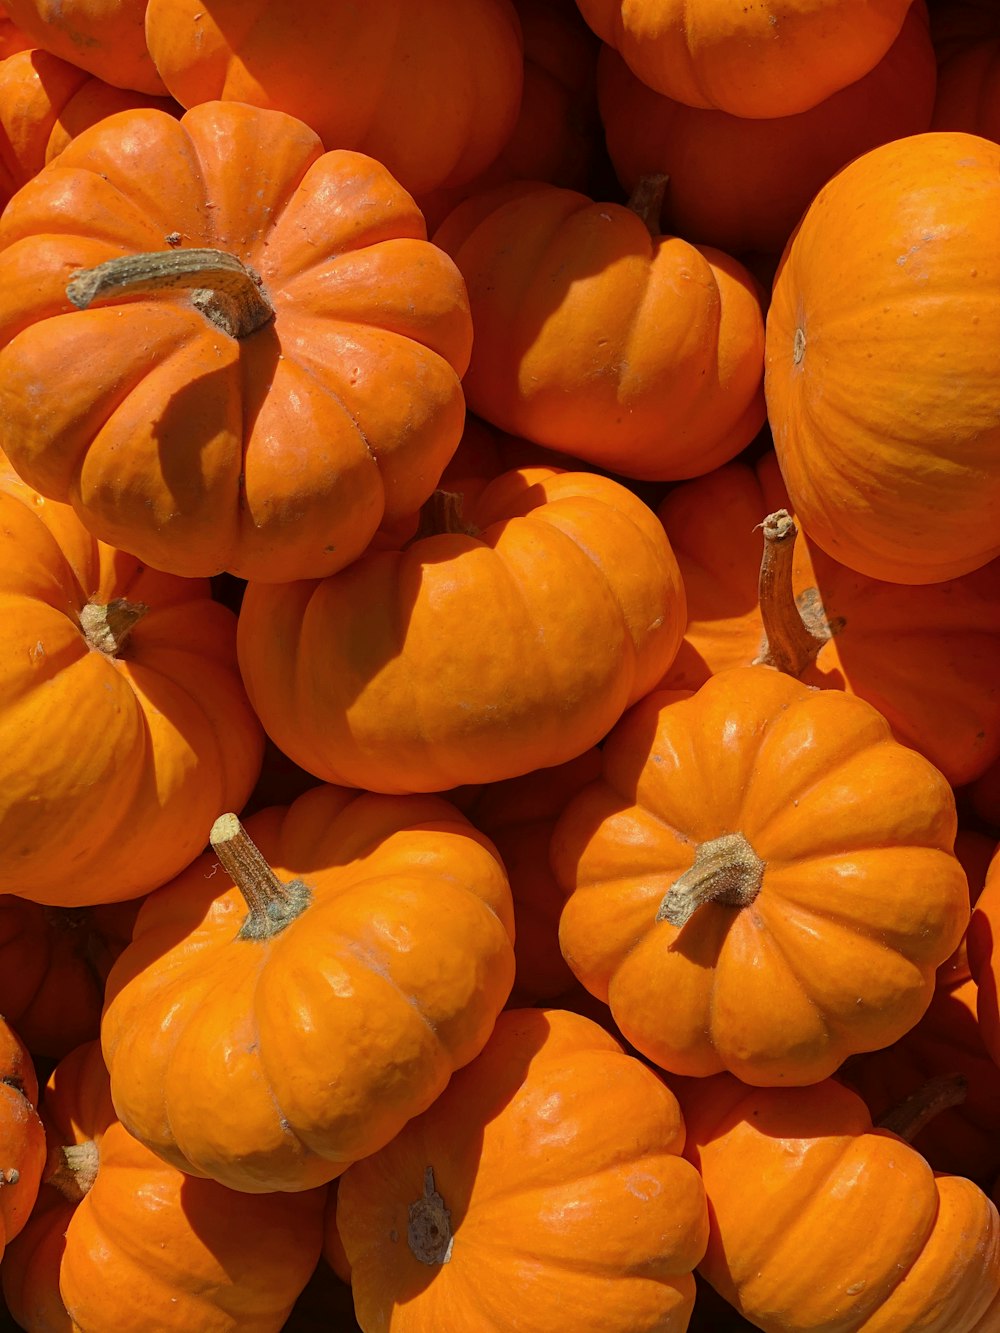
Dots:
(646, 201)
(273, 904)
(106, 626)
(224, 290)
(441, 514)
(790, 645)
(920, 1108)
(726, 871)
(429, 1233)
(73, 1169)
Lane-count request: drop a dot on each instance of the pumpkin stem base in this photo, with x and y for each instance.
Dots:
(273, 904)
(73, 1170)
(429, 1233)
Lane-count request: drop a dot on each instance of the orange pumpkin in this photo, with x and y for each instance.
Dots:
(104, 37)
(844, 1226)
(270, 1048)
(598, 336)
(509, 640)
(925, 657)
(509, 1204)
(22, 1138)
(984, 956)
(12, 38)
(885, 415)
(121, 1240)
(750, 60)
(264, 430)
(761, 881)
(428, 87)
(123, 722)
(743, 184)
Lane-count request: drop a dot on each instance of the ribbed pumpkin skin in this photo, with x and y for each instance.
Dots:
(22, 1138)
(556, 1222)
(637, 353)
(105, 37)
(428, 87)
(276, 454)
(847, 1228)
(924, 657)
(272, 1064)
(466, 659)
(111, 768)
(860, 899)
(883, 361)
(750, 60)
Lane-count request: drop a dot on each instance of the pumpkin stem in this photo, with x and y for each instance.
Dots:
(73, 1169)
(429, 1232)
(107, 627)
(442, 514)
(10, 1177)
(646, 201)
(273, 905)
(791, 641)
(915, 1112)
(225, 291)
(726, 870)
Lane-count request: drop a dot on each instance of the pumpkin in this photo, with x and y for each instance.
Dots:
(22, 1138)
(754, 61)
(12, 38)
(510, 638)
(509, 1204)
(762, 880)
(743, 184)
(428, 87)
(984, 956)
(103, 37)
(44, 103)
(121, 1240)
(269, 1034)
(123, 724)
(845, 1226)
(53, 964)
(885, 415)
(267, 430)
(925, 657)
(600, 337)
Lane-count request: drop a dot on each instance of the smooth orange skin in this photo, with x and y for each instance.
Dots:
(968, 90)
(22, 1138)
(861, 897)
(468, 659)
(750, 60)
(12, 39)
(273, 1064)
(883, 361)
(104, 37)
(640, 354)
(428, 87)
(44, 103)
(984, 957)
(149, 1247)
(822, 1224)
(925, 657)
(743, 184)
(276, 455)
(111, 770)
(555, 1220)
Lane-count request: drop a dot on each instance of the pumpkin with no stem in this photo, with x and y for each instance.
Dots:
(22, 1138)
(601, 337)
(104, 37)
(202, 421)
(762, 880)
(925, 657)
(510, 638)
(509, 1204)
(883, 361)
(269, 1048)
(751, 60)
(122, 1241)
(743, 184)
(123, 724)
(845, 1225)
(428, 87)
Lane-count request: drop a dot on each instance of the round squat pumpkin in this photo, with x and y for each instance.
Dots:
(219, 377)
(762, 880)
(883, 361)
(104, 37)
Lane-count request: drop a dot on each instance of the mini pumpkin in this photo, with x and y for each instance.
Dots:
(22, 1138)
(104, 37)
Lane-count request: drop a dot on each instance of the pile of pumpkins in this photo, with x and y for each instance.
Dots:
(500, 666)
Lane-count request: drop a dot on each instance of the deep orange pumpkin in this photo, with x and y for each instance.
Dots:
(104, 37)
(984, 956)
(22, 1138)
(204, 433)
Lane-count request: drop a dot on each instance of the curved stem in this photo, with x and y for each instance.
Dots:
(224, 290)
(107, 626)
(790, 645)
(429, 1233)
(919, 1109)
(273, 904)
(726, 870)
(646, 201)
